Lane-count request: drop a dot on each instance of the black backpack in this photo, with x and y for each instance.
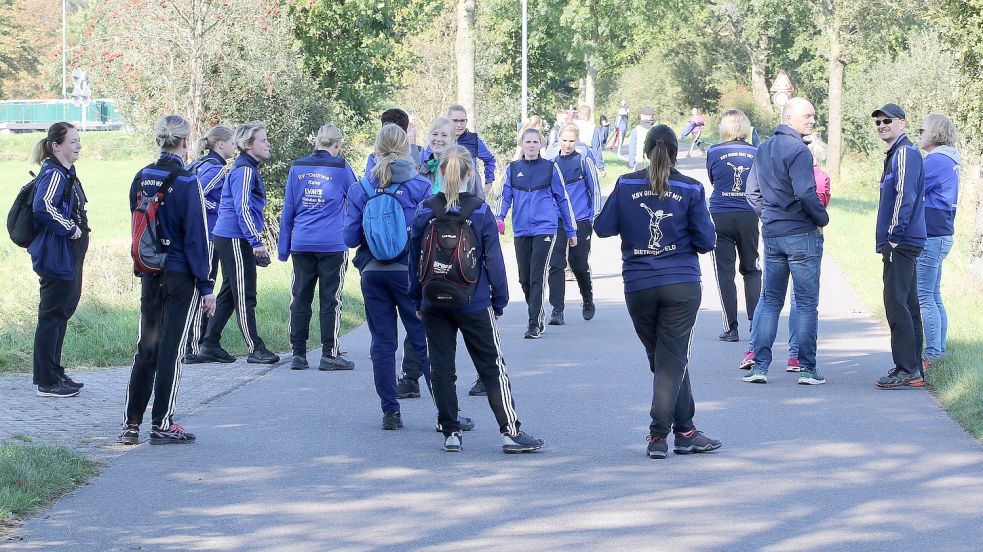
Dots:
(449, 268)
(20, 219)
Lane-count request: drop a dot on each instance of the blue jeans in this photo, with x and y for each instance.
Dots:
(800, 256)
(929, 272)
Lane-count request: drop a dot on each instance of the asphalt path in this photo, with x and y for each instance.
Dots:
(296, 460)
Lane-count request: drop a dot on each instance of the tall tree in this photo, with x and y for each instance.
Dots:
(465, 57)
(599, 31)
(15, 53)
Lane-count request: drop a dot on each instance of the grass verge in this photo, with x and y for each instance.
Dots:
(958, 378)
(32, 476)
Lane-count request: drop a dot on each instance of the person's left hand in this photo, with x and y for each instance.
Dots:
(208, 304)
(572, 241)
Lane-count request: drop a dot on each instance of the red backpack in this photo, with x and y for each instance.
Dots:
(147, 249)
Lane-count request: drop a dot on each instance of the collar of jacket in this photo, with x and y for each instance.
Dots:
(246, 159)
(574, 152)
(54, 163)
(901, 141)
(467, 137)
(170, 159)
(212, 154)
(789, 131)
(323, 154)
(529, 161)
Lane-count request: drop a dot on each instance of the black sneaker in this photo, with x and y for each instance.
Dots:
(658, 447)
(70, 382)
(299, 362)
(192, 358)
(589, 310)
(895, 379)
(60, 389)
(556, 319)
(452, 442)
(331, 363)
(467, 424)
(214, 353)
(478, 389)
(520, 442)
(729, 335)
(534, 332)
(174, 435)
(130, 435)
(392, 420)
(407, 389)
(262, 356)
(696, 442)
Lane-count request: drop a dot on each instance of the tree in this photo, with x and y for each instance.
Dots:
(599, 32)
(465, 56)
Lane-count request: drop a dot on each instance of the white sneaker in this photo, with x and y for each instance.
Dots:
(452, 443)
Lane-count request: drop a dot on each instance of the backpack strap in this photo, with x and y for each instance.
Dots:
(470, 205)
(437, 203)
(168, 184)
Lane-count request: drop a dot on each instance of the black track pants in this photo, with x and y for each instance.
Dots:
(238, 293)
(59, 299)
(200, 325)
(737, 238)
(532, 254)
(578, 257)
(901, 307)
(327, 272)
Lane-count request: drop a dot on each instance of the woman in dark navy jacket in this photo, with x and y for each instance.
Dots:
(534, 190)
(663, 222)
(312, 232)
(476, 321)
(57, 253)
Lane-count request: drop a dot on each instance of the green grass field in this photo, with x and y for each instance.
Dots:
(32, 476)
(958, 378)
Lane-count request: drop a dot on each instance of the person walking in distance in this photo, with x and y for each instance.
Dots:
(239, 246)
(664, 224)
(782, 190)
(636, 140)
(169, 298)
(620, 129)
(57, 253)
(900, 237)
(584, 192)
(312, 235)
(533, 188)
(471, 311)
(735, 222)
(695, 127)
(590, 134)
(214, 150)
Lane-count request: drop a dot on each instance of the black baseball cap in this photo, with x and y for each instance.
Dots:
(890, 110)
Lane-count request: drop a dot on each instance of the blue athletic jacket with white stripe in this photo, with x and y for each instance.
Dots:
(660, 238)
(180, 218)
(56, 220)
(582, 184)
(535, 192)
(211, 170)
(941, 190)
(728, 165)
(492, 289)
(474, 144)
(313, 218)
(240, 213)
(901, 212)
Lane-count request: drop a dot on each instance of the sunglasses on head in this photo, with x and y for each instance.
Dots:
(879, 122)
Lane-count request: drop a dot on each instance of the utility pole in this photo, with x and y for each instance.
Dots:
(525, 61)
(64, 51)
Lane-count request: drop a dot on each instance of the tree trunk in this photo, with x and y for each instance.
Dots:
(759, 83)
(465, 58)
(975, 270)
(835, 120)
(590, 82)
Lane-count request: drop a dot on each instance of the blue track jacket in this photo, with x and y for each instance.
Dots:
(941, 190)
(211, 170)
(728, 165)
(901, 212)
(582, 184)
(180, 218)
(535, 189)
(413, 189)
(782, 188)
(313, 218)
(492, 289)
(240, 214)
(660, 238)
(55, 219)
(471, 142)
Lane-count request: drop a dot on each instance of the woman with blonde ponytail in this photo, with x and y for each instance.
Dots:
(472, 310)
(392, 189)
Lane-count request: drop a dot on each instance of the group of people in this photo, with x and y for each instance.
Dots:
(410, 201)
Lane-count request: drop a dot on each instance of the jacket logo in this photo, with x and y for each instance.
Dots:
(655, 232)
(738, 181)
(548, 239)
(519, 174)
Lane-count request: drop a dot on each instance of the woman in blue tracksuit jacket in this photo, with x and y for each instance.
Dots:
(385, 285)
(664, 224)
(211, 167)
(312, 233)
(584, 191)
(534, 190)
(239, 245)
(57, 253)
(476, 320)
(169, 299)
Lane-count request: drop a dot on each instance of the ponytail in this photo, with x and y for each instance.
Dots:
(170, 131)
(216, 134)
(44, 148)
(456, 169)
(660, 147)
(390, 144)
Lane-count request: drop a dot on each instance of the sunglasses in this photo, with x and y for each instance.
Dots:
(459, 120)
(879, 122)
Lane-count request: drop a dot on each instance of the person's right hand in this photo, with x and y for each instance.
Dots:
(77, 234)
(208, 304)
(260, 251)
(501, 227)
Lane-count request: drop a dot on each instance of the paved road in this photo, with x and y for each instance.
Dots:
(296, 460)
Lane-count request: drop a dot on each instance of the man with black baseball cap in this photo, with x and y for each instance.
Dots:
(900, 237)
(636, 141)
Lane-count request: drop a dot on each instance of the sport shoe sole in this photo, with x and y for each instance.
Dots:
(129, 439)
(755, 378)
(916, 383)
(410, 395)
(695, 449)
(73, 393)
(746, 365)
(811, 381)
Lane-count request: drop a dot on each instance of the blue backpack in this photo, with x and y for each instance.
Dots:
(384, 223)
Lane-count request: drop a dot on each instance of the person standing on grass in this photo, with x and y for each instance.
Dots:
(211, 167)
(476, 320)
(900, 236)
(312, 235)
(782, 190)
(938, 139)
(664, 224)
(534, 187)
(57, 253)
(728, 164)
(239, 246)
(583, 189)
(169, 299)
